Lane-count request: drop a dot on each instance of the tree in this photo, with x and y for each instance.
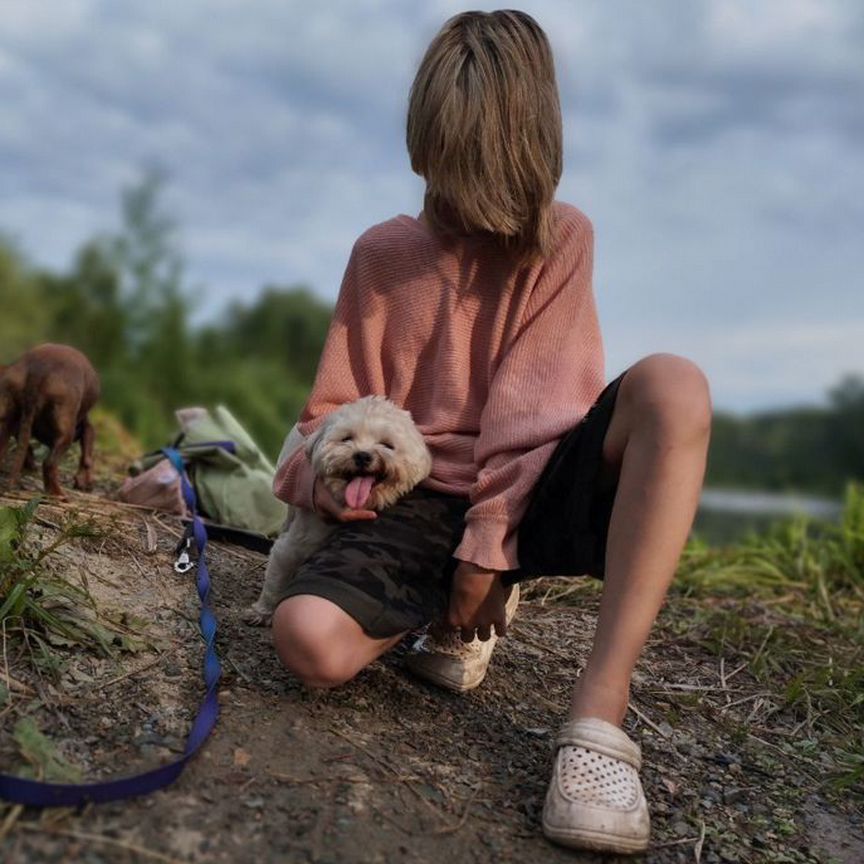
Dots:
(23, 316)
(157, 375)
(147, 257)
(847, 424)
(86, 305)
(285, 325)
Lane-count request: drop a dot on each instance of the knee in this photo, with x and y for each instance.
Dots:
(669, 394)
(307, 649)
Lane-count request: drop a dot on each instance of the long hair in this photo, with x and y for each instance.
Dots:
(484, 130)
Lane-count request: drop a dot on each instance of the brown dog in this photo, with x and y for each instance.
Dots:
(48, 393)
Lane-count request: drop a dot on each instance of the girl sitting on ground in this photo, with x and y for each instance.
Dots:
(478, 317)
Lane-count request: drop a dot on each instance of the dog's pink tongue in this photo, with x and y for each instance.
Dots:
(357, 491)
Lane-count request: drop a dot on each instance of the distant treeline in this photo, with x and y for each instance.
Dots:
(125, 303)
(806, 449)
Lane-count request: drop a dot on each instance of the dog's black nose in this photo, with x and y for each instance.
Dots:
(362, 459)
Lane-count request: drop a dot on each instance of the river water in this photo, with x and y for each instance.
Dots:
(726, 515)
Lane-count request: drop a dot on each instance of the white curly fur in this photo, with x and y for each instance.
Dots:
(398, 459)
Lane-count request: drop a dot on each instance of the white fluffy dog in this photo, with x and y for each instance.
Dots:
(368, 454)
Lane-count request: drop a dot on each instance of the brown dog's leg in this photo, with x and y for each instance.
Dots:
(50, 471)
(5, 435)
(24, 432)
(84, 476)
(63, 417)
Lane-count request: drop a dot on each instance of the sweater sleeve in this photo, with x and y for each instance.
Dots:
(337, 382)
(547, 380)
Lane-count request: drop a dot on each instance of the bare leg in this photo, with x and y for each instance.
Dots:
(84, 475)
(657, 443)
(321, 643)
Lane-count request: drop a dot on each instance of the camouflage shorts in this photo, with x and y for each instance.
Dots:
(392, 574)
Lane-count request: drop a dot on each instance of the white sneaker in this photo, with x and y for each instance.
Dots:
(595, 800)
(445, 660)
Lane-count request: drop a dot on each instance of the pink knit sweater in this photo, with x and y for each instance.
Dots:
(494, 364)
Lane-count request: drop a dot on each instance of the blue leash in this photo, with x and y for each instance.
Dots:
(35, 793)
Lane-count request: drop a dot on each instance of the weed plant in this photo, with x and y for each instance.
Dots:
(43, 607)
(790, 602)
(786, 604)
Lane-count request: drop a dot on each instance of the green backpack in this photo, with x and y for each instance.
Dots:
(233, 479)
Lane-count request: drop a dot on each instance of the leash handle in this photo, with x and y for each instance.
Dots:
(35, 793)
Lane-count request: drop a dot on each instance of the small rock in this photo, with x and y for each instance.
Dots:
(727, 758)
(538, 732)
(687, 744)
(733, 794)
(241, 758)
(665, 729)
(681, 828)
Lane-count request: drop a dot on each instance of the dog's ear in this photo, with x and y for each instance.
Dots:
(314, 439)
(292, 443)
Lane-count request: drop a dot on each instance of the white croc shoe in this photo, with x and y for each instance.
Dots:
(445, 660)
(595, 800)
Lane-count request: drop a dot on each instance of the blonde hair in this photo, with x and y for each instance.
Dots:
(484, 130)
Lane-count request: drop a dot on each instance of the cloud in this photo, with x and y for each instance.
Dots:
(762, 364)
(716, 146)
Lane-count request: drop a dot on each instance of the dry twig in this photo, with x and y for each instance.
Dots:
(99, 838)
(10, 820)
(452, 829)
(130, 673)
(697, 849)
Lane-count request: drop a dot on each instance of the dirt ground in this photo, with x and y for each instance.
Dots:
(387, 768)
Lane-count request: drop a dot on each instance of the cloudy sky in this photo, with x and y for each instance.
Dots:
(718, 147)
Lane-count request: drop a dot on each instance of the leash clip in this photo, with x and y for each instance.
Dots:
(184, 562)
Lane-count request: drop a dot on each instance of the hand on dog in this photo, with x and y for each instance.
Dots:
(477, 601)
(330, 508)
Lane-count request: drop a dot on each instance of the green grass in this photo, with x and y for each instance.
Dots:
(800, 553)
(43, 608)
(790, 603)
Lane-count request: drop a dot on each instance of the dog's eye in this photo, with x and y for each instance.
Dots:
(388, 445)
(347, 438)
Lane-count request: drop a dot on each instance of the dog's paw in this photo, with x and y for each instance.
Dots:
(84, 482)
(256, 616)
